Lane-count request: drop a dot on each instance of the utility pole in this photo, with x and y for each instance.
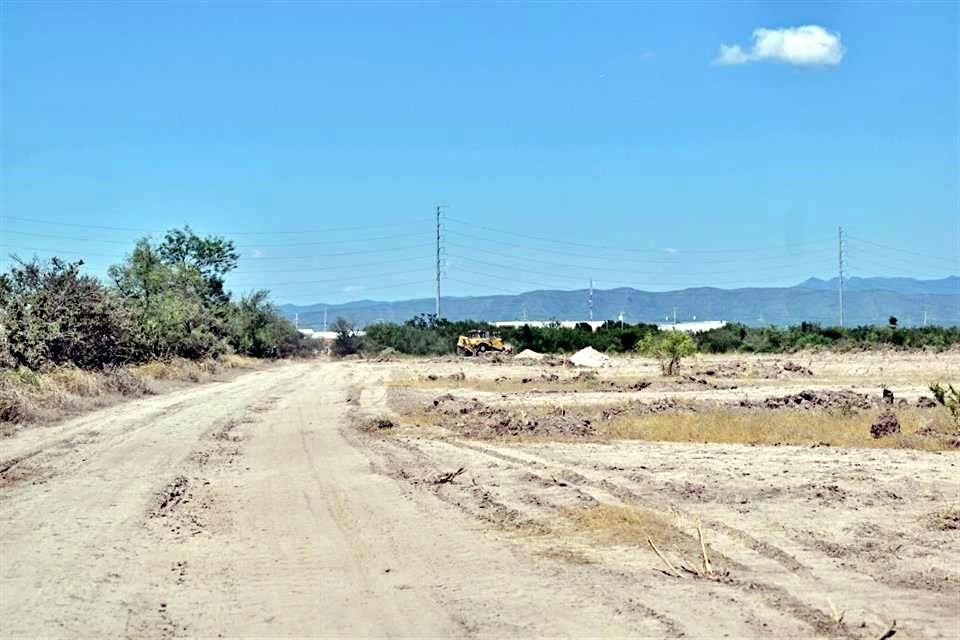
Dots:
(438, 262)
(590, 299)
(674, 316)
(840, 270)
(324, 318)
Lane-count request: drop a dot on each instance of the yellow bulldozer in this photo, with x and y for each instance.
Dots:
(479, 342)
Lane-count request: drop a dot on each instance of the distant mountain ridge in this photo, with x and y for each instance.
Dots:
(866, 301)
(945, 286)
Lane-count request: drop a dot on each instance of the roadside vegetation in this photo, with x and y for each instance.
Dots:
(425, 335)
(164, 315)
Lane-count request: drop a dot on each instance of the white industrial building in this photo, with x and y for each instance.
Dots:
(686, 327)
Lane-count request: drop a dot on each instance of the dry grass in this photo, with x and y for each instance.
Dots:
(75, 381)
(629, 525)
(27, 396)
(779, 427)
(946, 519)
(664, 536)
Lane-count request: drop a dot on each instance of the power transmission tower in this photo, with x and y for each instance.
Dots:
(438, 262)
(840, 270)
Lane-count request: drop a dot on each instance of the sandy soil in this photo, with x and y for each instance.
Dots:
(255, 508)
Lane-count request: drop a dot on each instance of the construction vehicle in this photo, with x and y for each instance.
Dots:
(479, 342)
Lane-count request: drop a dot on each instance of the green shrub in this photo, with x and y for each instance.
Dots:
(669, 347)
(53, 315)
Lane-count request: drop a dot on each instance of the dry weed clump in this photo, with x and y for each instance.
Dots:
(946, 519)
(74, 381)
(30, 396)
(780, 427)
(628, 525)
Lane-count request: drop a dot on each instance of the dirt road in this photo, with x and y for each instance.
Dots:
(241, 509)
(253, 508)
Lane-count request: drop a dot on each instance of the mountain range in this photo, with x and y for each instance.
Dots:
(866, 301)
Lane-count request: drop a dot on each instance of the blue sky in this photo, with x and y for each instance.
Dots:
(565, 141)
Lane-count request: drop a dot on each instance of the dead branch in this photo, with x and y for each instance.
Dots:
(707, 568)
(672, 570)
(444, 478)
(892, 631)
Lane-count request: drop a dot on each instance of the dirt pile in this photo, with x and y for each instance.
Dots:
(636, 408)
(813, 400)
(475, 419)
(767, 370)
(529, 354)
(796, 369)
(886, 424)
(589, 357)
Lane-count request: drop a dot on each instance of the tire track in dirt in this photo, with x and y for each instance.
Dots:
(782, 598)
(809, 580)
(73, 548)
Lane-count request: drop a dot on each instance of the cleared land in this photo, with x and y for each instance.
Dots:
(317, 499)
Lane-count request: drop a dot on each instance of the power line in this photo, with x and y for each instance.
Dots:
(955, 259)
(369, 276)
(585, 269)
(613, 248)
(567, 253)
(312, 257)
(241, 247)
(234, 233)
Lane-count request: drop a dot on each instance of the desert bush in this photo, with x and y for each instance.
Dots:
(16, 406)
(75, 381)
(121, 380)
(53, 315)
(669, 348)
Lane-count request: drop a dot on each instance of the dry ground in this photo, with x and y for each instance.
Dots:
(257, 507)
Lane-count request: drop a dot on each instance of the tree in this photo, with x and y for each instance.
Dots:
(669, 347)
(892, 321)
(211, 257)
(176, 310)
(346, 342)
(257, 329)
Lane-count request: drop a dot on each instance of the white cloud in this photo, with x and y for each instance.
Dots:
(670, 250)
(809, 45)
(257, 253)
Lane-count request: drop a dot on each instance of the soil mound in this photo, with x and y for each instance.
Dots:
(475, 419)
(767, 370)
(886, 424)
(813, 400)
(589, 357)
(529, 354)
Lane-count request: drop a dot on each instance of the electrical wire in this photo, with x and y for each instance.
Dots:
(233, 233)
(608, 247)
